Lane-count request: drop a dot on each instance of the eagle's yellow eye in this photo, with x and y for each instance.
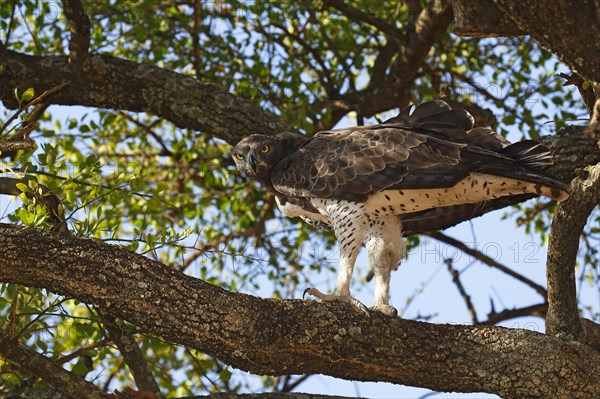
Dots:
(265, 149)
(238, 156)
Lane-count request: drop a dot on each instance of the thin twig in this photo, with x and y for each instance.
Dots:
(10, 24)
(461, 289)
(81, 351)
(488, 261)
(538, 310)
(35, 101)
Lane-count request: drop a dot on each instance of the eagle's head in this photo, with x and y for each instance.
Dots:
(256, 155)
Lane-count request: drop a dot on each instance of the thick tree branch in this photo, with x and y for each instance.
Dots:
(62, 380)
(590, 334)
(569, 220)
(50, 393)
(79, 26)
(539, 21)
(475, 18)
(129, 86)
(279, 337)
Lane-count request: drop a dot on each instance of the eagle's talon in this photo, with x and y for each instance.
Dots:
(306, 291)
(361, 307)
(387, 310)
(339, 298)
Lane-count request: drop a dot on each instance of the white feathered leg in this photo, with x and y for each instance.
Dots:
(383, 240)
(349, 229)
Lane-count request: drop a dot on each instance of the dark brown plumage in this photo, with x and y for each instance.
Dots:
(426, 169)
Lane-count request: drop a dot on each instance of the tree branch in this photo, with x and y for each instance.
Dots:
(538, 310)
(538, 19)
(354, 14)
(79, 26)
(281, 337)
(474, 19)
(44, 197)
(62, 380)
(394, 90)
(487, 261)
(50, 393)
(131, 352)
(590, 333)
(125, 85)
(461, 289)
(569, 220)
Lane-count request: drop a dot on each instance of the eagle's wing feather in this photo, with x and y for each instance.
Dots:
(434, 147)
(353, 163)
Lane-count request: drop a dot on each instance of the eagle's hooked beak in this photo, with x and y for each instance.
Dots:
(252, 162)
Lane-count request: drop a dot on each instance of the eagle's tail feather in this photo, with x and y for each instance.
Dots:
(528, 152)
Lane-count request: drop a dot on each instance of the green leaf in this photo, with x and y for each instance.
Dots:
(80, 369)
(225, 375)
(23, 187)
(27, 95)
(25, 216)
(586, 85)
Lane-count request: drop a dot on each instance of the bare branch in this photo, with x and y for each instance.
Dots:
(180, 99)
(477, 19)
(82, 350)
(461, 289)
(487, 260)
(329, 338)
(538, 310)
(569, 220)
(395, 89)
(587, 94)
(79, 25)
(42, 367)
(590, 333)
(131, 352)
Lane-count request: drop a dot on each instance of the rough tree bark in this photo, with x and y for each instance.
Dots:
(278, 337)
(567, 29)
(569, 221)
(51, 393)
(181, 99)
